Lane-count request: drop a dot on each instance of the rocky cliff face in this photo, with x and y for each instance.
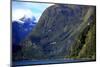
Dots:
(57, 30)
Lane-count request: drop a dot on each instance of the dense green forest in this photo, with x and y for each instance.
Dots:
(85, 45)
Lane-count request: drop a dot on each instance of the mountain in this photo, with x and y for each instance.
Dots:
(58, 31)
(20, 29)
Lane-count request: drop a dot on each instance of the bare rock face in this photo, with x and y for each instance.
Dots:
(57, 30)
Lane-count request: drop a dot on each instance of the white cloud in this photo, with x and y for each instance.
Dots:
(21, 9)
(19, 13)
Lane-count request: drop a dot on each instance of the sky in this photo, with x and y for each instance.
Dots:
(19, 9)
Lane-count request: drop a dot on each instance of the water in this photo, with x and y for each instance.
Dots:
(39, 62)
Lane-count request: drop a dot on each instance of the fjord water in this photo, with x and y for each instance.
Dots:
(41, 62)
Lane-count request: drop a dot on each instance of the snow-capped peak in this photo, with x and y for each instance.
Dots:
(19, 13)
(22, 15)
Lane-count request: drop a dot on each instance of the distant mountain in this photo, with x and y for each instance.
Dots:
(22, 27)
(58, 29)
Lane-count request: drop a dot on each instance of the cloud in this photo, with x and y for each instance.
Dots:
(36, 8)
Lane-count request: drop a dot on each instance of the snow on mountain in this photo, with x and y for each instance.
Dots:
(22, 27)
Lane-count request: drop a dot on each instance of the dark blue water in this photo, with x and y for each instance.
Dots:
(39, 62)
